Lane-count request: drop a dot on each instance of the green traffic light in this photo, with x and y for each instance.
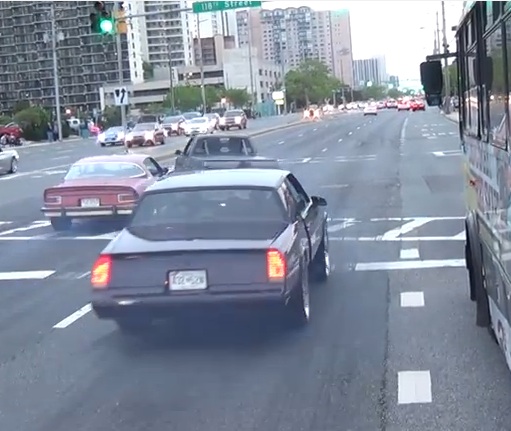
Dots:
(106, 26)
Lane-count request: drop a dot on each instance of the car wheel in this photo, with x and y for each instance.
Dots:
(133, 326)
(14, 166)
(320, 265)
(298, 307)
(61, 224)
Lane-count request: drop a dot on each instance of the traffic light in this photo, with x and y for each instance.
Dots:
(101, 21)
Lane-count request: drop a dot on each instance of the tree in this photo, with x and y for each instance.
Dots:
(111, 116)
(34, 122)
(394, 93)
(311, 82)
(188, 97)
(148, 69)
(374, 92)
(237, 97)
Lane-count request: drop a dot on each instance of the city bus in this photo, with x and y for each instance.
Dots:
(483, 60)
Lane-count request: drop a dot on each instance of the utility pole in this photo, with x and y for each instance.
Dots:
(120, 68)
(171, 82)
(56, 80)
(447, 102)
(202, 86)
(250, 65)
(437, 35)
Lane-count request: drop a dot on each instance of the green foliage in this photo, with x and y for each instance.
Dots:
(148, 70)
(34, 122)
(111, 116)
(66, 130)
(311, 82)
(153, 108)
(5, 120)
(452, 69)
(237, 97)
(188, 97)
(20, 106)
(376, 92)
(394, 93)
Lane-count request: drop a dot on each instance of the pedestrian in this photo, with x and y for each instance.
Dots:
(49, 132)
(55, 131)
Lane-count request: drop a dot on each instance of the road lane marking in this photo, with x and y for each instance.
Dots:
(349, 133)
(406, 228)
(417, 264)
(25, 174)
(405, 218)
(346, 224)
(340, 140)
(379, 239)
(461, 235)
(25, 275)
(69, 320)
(314, 129)
(402, 136)
(324, 150)
(412, 299)
(307, 160)
(409, 253)
(34, 225)
(300, 135)
(84, 275)
(280, 143)
(414, 387)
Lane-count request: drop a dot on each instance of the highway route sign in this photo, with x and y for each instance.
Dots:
(121, 96)
(217, 5)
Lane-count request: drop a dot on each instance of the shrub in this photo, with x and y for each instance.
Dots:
(34, 122)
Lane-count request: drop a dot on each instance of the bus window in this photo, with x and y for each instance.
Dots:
(496, 95)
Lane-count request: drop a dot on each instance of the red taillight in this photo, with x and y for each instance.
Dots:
(101, 272)
(276, 265)
(128, 197)
(52, 199)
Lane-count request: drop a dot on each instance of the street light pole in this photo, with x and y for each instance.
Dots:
(120, 69)
(447, 103)
(171, 82)
(55, 69)
(203, 88)
(250, 65)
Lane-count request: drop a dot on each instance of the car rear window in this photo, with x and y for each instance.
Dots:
(228, 213)
(223, 146)
(233, 113)
(104, 170)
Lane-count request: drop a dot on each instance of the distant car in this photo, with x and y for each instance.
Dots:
(198, 126)
(201, 148)
(145, 134)
(417, 105)
(191, 115)
(215, 240)
(99, 187)
(174, 125)
(391, 104)
(11, 129)
(213, 118)
(234, 118)
(8, 161)
(111, 136)
(403, 105)
(380, 105)
(370, 110)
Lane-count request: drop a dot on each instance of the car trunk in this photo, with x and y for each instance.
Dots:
(74, 191)
(229, 263)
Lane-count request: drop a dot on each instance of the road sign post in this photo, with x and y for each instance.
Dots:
(121, 96)
(218, 5)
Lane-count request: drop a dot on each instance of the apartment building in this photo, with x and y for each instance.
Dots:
(212, 48)
(373, 70)
(213, 23)
(289, 36)
(85, 61)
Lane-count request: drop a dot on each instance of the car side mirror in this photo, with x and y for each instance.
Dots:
(178, 153)
(318, 201)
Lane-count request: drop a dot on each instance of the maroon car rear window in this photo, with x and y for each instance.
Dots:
(104, 170)
(223, 206)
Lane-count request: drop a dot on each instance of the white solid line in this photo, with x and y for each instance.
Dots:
(416, 264)
(409, 253)
(307, 160)
(414, 387)
(412, 299)
(84, 275)
(280, 143)
(403, 239)
(34, 225)
(25, 275)
(69, 320)
(461, 235)
(324, 150)
(345, 224)
(406, 228)
(402, 135)
(406, 218)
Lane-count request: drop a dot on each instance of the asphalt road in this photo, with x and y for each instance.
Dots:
(392, 344)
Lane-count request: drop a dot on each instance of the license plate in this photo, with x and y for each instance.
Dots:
(88, 203)
(187, 280)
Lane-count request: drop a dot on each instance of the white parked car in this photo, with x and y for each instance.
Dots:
(8, 161)
(371, 109)
(198, 126)
(214, 119)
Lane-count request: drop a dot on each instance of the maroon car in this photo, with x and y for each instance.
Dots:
(100, 186)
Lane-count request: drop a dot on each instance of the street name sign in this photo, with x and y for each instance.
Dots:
(217, 5)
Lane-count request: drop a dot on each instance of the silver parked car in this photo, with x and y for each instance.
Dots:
(8, 161)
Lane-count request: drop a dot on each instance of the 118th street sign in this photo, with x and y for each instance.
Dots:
(217, 5)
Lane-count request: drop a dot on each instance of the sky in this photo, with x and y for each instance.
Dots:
(402, 31)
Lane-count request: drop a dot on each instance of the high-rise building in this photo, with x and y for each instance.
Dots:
(289, 36)
(214, 23)
(163, 35)
(85, 61)
(373, 70)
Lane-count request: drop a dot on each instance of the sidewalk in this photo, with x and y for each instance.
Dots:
(453, 116)
(41, 143)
